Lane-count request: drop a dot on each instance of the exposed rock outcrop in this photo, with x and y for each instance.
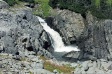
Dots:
(9, 64)
(95, 42)
(69, 24)
(93, 67)
(20, 31)
(93, 36)
(22, 41)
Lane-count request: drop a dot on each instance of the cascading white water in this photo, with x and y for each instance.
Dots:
(58, 44)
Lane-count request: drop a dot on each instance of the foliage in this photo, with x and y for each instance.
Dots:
(99, 8)
(97, 3)
(109, 2)
(30, 1)
(43, 9)
(11, 2)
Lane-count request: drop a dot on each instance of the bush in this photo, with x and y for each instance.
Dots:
(99, 8)
(30, 1)
(79, 6)
(43, 9)
(11, 2)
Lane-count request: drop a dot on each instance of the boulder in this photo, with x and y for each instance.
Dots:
(20, 31)
(69, 24)
(3, 4)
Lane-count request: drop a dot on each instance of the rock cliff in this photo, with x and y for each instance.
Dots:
(21, 31)
(22, 41)
(92, 35)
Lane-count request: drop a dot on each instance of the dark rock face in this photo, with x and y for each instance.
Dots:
(20, 31)
(69, 24)
(92, 36)
(96, 43)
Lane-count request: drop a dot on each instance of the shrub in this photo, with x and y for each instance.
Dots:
(11, 2)
(99, 8)
(30, 1)
(43, 9)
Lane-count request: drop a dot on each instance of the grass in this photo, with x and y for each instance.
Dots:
(3, 56)
(43, 9)
(66, 69)
(23, 59)
(31, 72)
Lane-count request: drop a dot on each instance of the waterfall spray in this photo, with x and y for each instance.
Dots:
(57, 43)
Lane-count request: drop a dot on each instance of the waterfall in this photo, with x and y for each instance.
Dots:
(57, 42)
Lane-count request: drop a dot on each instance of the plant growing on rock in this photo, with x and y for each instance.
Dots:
(66, 69)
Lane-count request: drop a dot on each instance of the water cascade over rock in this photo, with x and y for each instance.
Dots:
(56, 39)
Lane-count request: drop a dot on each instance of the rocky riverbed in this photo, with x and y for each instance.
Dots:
(29, 64)
(33, 64)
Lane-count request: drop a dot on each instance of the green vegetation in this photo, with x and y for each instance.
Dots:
(11, 2)
(109, 2)
(30, 1)
(44, 8)
(31, 72)
(61, 69)
(66, 69)
(97, 3)
(99, 8)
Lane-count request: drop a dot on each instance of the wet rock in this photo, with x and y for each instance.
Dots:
(69, 24)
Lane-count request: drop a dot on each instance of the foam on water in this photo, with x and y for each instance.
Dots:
(57, 43)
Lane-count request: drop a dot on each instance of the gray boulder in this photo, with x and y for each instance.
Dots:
(3, 4)
(69, 24)
(21, 31)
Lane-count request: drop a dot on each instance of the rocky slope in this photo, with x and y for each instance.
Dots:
(21, 31)
(91, 35)
(30, 64)
(23, 40)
